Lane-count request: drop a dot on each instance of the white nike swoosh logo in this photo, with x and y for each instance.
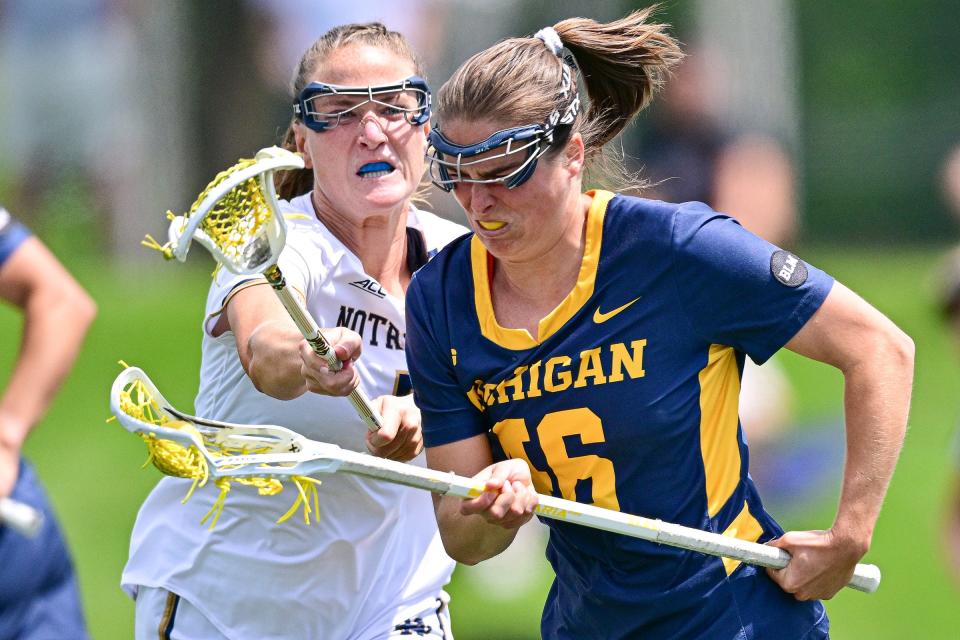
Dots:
(599, 317)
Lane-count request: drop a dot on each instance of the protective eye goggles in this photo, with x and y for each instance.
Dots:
(447, 159)
(325, 106)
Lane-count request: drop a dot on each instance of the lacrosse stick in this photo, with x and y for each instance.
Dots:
(237, 220)
(20, 517)
(277, 452)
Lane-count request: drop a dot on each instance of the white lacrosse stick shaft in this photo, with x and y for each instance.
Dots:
(20, 517)
(292, 454)
(866, 577)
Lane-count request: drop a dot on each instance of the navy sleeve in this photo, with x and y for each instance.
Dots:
(12, 235)
(737, 289)
(448, 415)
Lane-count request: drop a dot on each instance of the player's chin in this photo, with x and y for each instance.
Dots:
(386, 196)
(503, 246)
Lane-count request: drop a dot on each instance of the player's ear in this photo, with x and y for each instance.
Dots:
(426, 129)
(301, 141)
(575, 153)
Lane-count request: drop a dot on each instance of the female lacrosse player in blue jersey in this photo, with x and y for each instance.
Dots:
(38, 588)
(373, 567)
(590, 345)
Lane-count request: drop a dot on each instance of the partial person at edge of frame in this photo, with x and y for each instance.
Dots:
(39, 597)
(950, 181)
(374, 565)
(597, 340)
(948, 301)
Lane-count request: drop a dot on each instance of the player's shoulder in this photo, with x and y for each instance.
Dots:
(298, 212)
(451, 263)
(306, 234)
(437, 231)
(664, 222)
(637, 209)
(632, 224)
(625, 204)
(628, 216)
(456, 252)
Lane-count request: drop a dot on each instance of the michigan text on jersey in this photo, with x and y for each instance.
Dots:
(601, 365)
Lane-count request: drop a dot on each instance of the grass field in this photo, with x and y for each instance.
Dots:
(152, 319)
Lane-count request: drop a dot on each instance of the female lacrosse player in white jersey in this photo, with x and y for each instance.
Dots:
(373, 566)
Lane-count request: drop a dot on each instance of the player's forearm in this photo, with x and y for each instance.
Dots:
(272, 360)
(469, 539)
(877, 401)
(56, 319)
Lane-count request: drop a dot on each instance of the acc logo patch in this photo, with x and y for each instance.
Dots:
(370, 286)
(788, 269)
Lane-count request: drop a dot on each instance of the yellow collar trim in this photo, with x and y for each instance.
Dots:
(520, 339)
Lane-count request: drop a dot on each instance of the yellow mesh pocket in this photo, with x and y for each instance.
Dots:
(234, 220)
(236, 217)
(174, 459)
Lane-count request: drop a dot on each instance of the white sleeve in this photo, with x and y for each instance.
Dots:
(296, 274)
(296, 270)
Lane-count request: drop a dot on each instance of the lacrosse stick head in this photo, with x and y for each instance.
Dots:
(141, 408)
(236, 218)
(185, 446)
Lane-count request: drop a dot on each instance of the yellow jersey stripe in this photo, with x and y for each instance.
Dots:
(520, 339)
(743, 527)
(719, 445)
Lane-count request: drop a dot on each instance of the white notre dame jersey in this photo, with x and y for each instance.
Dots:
(375, 554)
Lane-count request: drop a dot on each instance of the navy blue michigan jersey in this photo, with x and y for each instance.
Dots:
(38, 591)
(627, 399)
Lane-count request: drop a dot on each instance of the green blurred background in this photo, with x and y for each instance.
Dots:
(877, 90)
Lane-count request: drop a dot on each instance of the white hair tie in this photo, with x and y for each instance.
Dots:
(551, 38)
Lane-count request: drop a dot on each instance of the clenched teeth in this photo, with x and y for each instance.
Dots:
(376, 174)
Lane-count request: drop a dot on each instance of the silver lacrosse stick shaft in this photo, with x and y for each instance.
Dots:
(311, 333)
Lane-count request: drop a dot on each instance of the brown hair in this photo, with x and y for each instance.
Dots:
(622, 63)
(290, 184)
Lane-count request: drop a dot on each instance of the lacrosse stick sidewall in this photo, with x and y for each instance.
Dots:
(268, 161)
